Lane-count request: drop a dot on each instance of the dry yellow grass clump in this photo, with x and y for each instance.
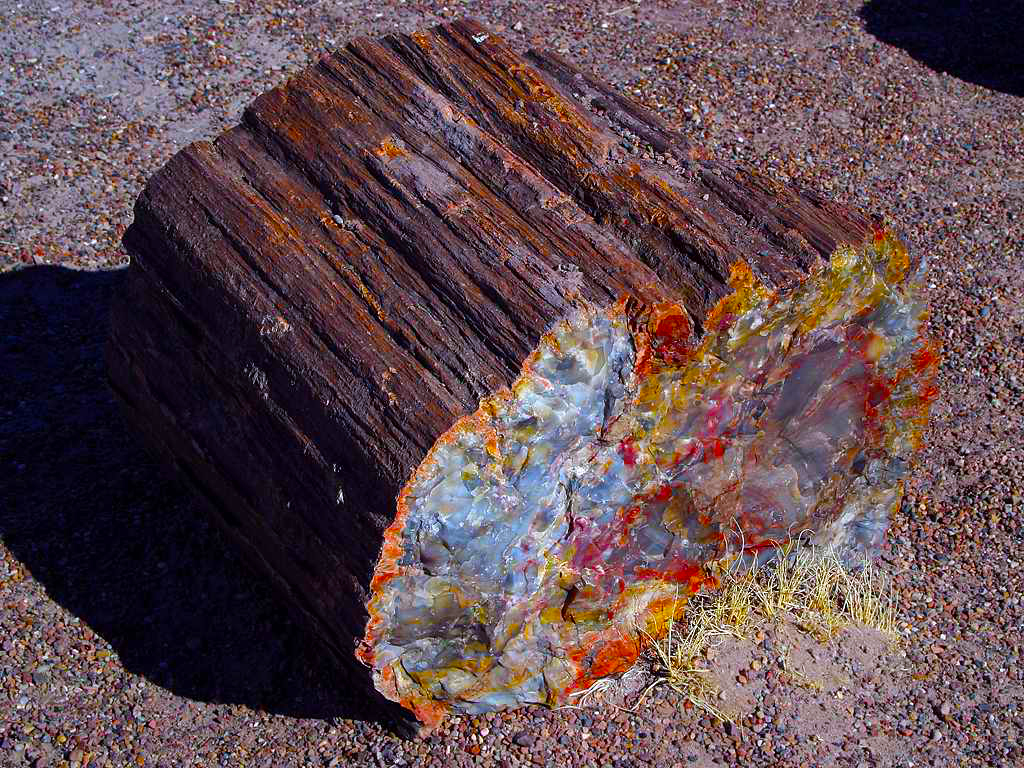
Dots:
(809, 588)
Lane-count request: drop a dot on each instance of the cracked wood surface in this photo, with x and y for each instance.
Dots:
(319, 293)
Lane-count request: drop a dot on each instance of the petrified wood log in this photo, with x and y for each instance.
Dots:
(323, 291)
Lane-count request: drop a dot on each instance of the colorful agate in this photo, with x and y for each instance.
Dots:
(583, 504)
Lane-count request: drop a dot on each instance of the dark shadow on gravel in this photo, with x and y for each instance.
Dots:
(974, 40)
(116, 541)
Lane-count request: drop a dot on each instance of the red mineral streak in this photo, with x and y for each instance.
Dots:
(680, 572)
(672, 334)
(627, 449)
(714, 448)
(877, 392)
(609, 655)
(925, 358)
(662, 333)
(753, 548)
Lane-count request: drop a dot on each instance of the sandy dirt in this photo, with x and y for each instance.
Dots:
(131, 635)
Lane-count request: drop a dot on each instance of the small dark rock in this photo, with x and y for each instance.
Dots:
(523, 739)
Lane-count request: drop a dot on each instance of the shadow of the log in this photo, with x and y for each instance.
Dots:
(116, 541)
(979, 41)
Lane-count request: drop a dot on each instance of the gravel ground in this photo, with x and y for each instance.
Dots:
(130, 633)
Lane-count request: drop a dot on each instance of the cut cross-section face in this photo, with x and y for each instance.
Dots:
(573, 513)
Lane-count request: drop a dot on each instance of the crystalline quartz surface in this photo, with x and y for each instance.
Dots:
(542, 532)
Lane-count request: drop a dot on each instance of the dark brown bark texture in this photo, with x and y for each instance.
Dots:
(319, 293)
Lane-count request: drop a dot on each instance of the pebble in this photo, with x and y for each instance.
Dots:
(523, 739)
(97, 99)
